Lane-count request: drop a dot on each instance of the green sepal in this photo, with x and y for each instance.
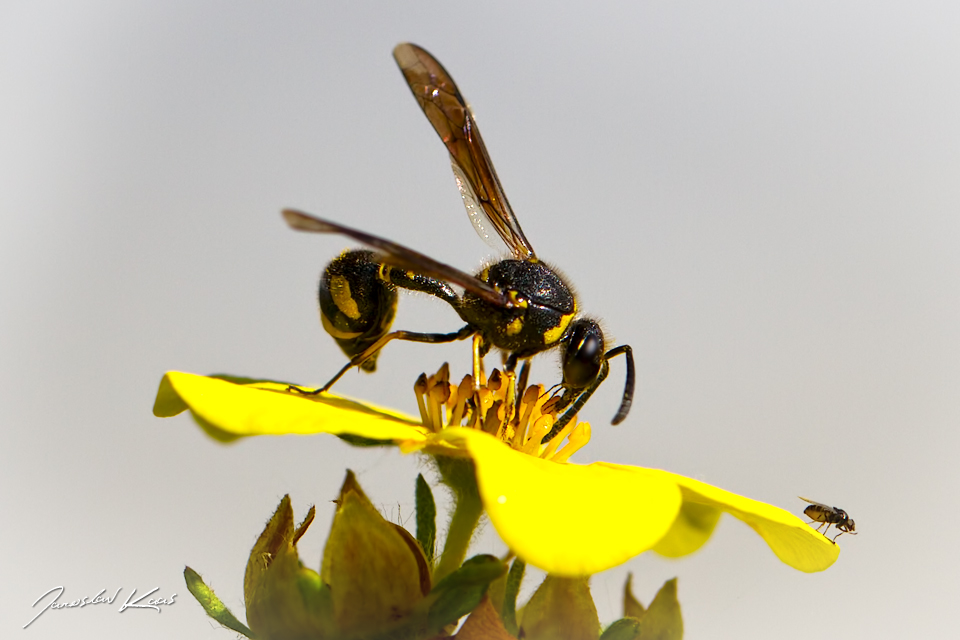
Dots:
(460, 592)
(212, 605)
(509, 612)
(561, 608)
(631, 606)
(663, 620)
(426, 518)
(229, 377)
(459, 474)
(622, 629)
(360, 441)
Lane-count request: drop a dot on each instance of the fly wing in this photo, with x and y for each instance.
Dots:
(399, 256)
(450, 116)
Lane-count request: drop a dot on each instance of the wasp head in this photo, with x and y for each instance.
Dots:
(583, 354)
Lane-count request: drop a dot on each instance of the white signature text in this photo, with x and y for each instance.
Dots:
(132, 602)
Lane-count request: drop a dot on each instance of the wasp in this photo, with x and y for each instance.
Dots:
(827, 515)
(519, 305)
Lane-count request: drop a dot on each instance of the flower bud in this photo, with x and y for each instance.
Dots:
(284, 599)
(375, 570)
(561, 608)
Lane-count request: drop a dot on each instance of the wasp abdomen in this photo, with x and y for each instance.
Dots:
(357, 306)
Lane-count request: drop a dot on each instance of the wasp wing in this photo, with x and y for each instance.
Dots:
(815, 503)
(399, 256)
(440, 100)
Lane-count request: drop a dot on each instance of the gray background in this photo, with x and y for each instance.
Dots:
(762, 200)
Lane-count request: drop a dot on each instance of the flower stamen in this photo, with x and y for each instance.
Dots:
(464, 393)
(419, 390)
(493, 407)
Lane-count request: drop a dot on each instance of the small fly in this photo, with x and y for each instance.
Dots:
(827, 515)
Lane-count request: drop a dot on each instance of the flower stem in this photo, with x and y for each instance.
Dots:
(459, 475)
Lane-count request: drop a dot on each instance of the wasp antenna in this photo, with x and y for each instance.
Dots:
(630, 384)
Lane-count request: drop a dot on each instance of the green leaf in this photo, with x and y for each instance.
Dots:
(663, 620)
(426, 518)
(514, 578)
(212, 604)
(460, 592)
(622, 629)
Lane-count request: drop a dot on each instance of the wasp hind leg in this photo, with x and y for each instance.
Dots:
(410, 336)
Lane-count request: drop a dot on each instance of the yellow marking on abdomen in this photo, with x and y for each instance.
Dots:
(340, 292)
(337, 333)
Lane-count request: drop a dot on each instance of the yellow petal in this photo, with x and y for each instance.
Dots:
(567, 519)
(789, 537)
(227, 410)
(692, 528)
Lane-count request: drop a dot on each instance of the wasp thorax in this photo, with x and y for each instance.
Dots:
(541, 307)
(534, 282)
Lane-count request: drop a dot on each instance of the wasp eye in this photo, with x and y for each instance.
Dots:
(583, 354)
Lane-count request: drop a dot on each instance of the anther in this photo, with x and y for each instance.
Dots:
(540, 428)
(527, 405)
(464, 391)
(420, 389)
(492, 421)
(443, 373)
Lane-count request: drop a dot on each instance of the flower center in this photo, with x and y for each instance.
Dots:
(519, 415)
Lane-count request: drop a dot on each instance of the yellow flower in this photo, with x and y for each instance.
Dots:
(567, 519)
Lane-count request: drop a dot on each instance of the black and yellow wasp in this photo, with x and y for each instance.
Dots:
(519, 305)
